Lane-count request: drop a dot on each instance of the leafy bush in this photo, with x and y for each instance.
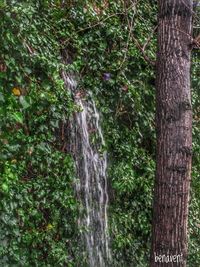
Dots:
(39, 211)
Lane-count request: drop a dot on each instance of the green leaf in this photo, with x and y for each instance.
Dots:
(18, 117)
(5, 187)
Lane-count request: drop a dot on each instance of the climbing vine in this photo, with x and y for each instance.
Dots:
(111, 46)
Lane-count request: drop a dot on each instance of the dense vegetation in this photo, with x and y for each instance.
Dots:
(39, 210)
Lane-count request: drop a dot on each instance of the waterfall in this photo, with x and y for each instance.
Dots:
(87, 147)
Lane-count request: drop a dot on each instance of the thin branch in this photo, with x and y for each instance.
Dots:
(127, 44)
(149, 38)
(142, 49)
(147, 59)
(103, 20)
(195, 42)
(100, 22)
(192, 11)
(30, 49)
(177, 29)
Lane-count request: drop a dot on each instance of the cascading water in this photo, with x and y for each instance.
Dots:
(91, 165)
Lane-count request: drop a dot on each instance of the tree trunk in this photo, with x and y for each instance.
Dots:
(174, 134)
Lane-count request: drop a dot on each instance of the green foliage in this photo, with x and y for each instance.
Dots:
(38, 222)
(127, 104)
(126, 100)
(38, 206)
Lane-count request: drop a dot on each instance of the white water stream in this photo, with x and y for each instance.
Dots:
(86, 143)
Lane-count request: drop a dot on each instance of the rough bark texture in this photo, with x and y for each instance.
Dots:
(174, 134)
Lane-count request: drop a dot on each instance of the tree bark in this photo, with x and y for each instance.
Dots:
(174, 134)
